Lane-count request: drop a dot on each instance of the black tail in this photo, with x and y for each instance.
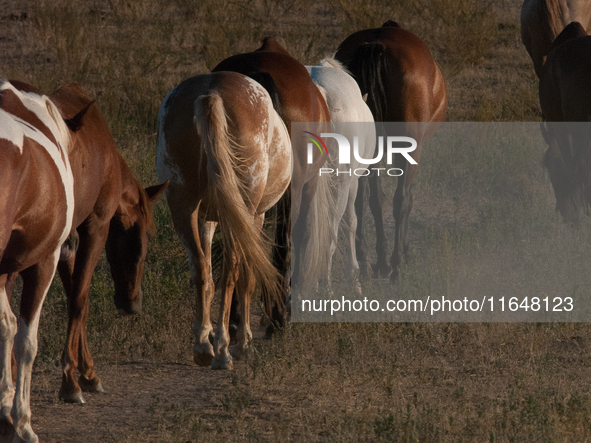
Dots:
(369, 66)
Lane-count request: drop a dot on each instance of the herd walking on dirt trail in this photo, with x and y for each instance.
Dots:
(226, 155)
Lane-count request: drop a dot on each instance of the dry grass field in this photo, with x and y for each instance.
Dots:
(482, 221)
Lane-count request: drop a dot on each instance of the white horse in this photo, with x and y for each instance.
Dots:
(346, 105)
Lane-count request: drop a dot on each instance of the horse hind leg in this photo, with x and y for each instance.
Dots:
(376, 204)
(199, 250)
(349, 227)
(76, 275)
(360, 242)
(245, 289)
(402, 205)
(7, 333)
(223, 359)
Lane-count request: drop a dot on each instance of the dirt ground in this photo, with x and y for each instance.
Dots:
(133, 390)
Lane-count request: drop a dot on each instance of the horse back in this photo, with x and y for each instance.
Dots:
(95, 161)
(395, 68)
(299, 99)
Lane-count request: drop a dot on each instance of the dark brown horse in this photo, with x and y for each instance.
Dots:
(111, 208)
(36, 213)
(296, 99)
(543, 20)
(226, 153)
(404, 84)
(565, 87)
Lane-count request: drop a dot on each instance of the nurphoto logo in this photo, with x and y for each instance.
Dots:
(394, 145)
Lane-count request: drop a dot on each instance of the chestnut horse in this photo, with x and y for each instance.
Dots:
(226, 153)
(543, 20)
(296, 99)
(36, 213)
(111, 208)
(404, 84)
(565, 87)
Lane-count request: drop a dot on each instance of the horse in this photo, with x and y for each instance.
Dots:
(111, 209)
(346, 105)
(296, 99)
(543, 20)
(564, 97)
(36, 215)
(226, 153)
(404, 84)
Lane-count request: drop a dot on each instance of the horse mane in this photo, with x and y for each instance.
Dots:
(145, 209)
(552, 16)
(70, 98)
(571, 31)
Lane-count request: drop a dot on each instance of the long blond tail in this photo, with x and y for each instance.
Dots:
(227, 192)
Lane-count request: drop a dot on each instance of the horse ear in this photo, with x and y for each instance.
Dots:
(365, 97)
(154, 191)
(75, 123)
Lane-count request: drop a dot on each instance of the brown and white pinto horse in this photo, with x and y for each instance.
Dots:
(36, 213)
(543, 20)
(226, 153)
(565, 96)
(404, 84)
(296, 99)
(111, 207)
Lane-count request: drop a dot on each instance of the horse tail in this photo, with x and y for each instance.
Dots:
(323, 231)
(241, 237)
(369, 66)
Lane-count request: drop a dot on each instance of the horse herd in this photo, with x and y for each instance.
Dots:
(225, 157)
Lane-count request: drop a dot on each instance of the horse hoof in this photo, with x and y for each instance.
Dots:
(239, 353)
(222, 363)
(270, 331)
(232, 329)
(6, 429)
(72, 398)
(365, 269)
(91, 385)
(381, 270)
(202, 358)
(264, 321)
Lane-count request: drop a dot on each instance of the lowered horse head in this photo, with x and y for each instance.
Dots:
(543, 20)
(127, 243)
(564, 98)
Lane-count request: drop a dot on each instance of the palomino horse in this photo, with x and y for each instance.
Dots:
(404, 84)
(226, 153)
(346, 105)
(564, 96)
(296, 99)
(543, 20)
(36, 213)
(111, 207)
